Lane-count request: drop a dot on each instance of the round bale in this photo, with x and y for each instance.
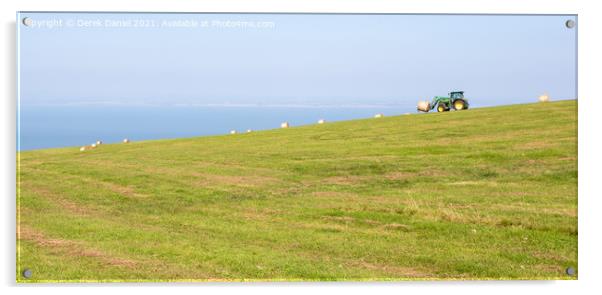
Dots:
(424, 106)
(284, 125)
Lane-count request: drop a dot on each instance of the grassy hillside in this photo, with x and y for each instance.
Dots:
(483, 194)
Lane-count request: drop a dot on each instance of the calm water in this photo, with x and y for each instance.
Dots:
(53, 126)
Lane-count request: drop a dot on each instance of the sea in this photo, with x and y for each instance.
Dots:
(42, 127)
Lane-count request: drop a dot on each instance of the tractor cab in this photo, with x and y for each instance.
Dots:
(456, 95)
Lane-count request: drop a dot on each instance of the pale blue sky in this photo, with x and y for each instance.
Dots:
(303, 59)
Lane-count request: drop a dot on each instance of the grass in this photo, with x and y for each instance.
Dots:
(487, 193)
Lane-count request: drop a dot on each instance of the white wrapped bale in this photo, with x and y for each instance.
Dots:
(544, 98)
(93, 145)
(232, 131)
(321, 121)
(424, 106)
(125, 140)
(98, 142)
(249, 130)
(379, 115)
(284, 125)
(83, 148)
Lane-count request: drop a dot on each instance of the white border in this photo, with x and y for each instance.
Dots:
(590, 148)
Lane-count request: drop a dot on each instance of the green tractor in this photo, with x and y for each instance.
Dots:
(455, 100)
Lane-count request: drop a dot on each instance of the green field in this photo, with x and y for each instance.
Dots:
(487, 193)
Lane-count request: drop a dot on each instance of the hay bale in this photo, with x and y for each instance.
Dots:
(284, 125)
(379, 115)
(544, 98)
(125, 140)
(232, 131)
(249, 130)
(83, 148)
(93, 145)
(321, 121)
(423, 106)
(98, 142)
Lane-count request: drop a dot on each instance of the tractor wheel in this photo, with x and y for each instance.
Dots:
(441, 108)
(459, 104)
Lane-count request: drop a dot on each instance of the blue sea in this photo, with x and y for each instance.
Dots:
(63, 126)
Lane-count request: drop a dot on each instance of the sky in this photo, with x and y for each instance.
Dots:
(291, 59)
